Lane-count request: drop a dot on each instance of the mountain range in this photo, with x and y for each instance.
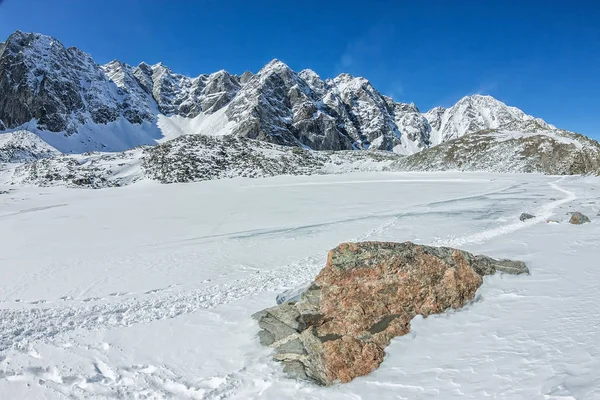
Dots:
(57, 100)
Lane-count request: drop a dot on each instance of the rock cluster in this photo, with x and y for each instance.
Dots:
(366, 295)
(187, 158)
(552, 152)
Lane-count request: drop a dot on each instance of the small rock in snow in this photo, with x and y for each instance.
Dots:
(578, 218)
(525, 216)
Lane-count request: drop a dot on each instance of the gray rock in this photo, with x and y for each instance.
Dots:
(246, 76)
(525, 217)
(578, 218)
(291, 295)
(293, 346)
(295, 368)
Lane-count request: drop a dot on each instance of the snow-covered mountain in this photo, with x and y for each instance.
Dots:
(477, 113)
(55, 100)
(76, 105)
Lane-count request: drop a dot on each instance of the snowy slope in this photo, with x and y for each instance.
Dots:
(190, 158)
(476, 113)
(146, 292)
(551, 152)
(23, 146)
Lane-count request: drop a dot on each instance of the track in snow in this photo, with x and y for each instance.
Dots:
(20, 329)
(542, 214)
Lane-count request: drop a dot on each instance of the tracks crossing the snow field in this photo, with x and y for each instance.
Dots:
(22, 328)
(542, 214)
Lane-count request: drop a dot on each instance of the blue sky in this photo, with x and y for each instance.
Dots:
(542, 56)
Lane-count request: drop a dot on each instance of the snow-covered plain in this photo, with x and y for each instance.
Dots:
(146, 291)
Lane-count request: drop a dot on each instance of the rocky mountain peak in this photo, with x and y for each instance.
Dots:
(59, 88)
(274, 65)
(477, 113)
(348, 82)
(56, 89)
(309, 74)
(245, 77)
(403, 107)
(480, 98)
(117, 72)
(314, 81)
(159, 66)
(19, 40)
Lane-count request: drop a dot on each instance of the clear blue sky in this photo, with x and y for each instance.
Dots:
(542, 56)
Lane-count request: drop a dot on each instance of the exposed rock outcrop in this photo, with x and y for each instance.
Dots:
(187, 158)
(23, 146)
(553, 152)
(578, 218)
(366, 295)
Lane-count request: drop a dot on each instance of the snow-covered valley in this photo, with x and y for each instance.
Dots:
(146, 291)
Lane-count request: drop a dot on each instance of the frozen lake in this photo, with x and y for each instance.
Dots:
(146, 291)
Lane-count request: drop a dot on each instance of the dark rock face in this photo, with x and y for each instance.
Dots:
(61, 88)
(526, 216)
(281, 106)
(278, 106)
(180, 95)
(41, 79)
(578, 218)
(366, 295)
(246, 76)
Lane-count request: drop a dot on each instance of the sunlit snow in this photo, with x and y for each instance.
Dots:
(146, 291)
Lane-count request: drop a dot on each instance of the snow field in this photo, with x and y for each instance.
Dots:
(146, 291)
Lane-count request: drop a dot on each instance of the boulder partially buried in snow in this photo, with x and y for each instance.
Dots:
(526, 216)
(578, 218)
(366, 295)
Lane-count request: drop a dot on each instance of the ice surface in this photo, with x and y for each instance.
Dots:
(146, 291)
